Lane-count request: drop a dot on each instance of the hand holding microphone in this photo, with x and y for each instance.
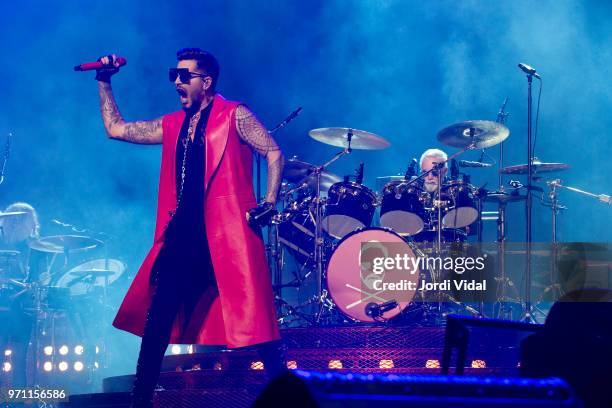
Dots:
(105, 67)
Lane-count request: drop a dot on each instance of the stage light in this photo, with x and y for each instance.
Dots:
(97, 349)
(8, 352)
(432, 364)
(6, 367)
(257, 365)
(96, 365)
(63, 366)
(48, 350)
(47, 366)
(386, 364)
(78, 366)
(175, 349)
(479, 364)
(334, 364)
(63, 350)
(292, 365)
(218, 366)
(78, 350)
(190, 349)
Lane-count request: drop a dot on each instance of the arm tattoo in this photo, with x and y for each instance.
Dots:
(253, 132)
(141, 131)
(133, 132)
(108, 106)
(275, 176)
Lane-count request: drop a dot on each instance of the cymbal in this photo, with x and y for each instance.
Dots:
(65, 243)
(11, 214)
(300, 172)
(537, 166)
(504, 197)
(360, 139)
(485, 134)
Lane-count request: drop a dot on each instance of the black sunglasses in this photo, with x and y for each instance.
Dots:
(184, 75)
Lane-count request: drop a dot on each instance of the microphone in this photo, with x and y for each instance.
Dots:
(88, 66)
(411, 170)
(288, 119)
(529, 70)
(359, 178)
(468, 163)
(375, 310)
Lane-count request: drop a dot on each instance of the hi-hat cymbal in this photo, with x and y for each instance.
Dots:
(479, 134)
(537, 167)
(504, 197)
(65, 243)
(339, 136)
(300, 172)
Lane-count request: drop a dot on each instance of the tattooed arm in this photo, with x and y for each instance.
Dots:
(142, 132)
(255, 135)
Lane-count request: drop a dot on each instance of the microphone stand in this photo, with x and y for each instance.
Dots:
(528, 312)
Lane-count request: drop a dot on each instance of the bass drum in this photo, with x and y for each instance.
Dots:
(353, 280)
(350, 206)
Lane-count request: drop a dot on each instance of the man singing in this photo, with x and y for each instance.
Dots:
(206, 279)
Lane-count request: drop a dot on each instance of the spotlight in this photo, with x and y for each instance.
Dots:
(63, 366)
(47, 366)
(479, 364)
(8, 352)
(6, 367)
(97, 349)
(386, 364)
(190, 349)
(78, 366)
(335, 364)
(78, 350)
(63, 350)
(432, 364)
(96, 365)
(257, 365)
(175, 349)
(48, 350)
(218, 366)
(292, 364)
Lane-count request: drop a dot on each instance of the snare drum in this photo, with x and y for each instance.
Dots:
(402, 208)
(461, 210)
(352, 280)
(349, 206)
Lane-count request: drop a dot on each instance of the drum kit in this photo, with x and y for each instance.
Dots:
(59, 281)
(325, 215)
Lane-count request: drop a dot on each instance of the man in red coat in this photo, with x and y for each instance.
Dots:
(205, 279)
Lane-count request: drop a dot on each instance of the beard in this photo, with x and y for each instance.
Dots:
(430, 186)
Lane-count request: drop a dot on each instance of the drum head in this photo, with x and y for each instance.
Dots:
(82, 279)
(338, 225)
(402, 222)
(460, 217)
(351, 278)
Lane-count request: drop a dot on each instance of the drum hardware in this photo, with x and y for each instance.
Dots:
(11, 214)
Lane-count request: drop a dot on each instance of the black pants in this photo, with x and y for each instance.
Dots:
(181, 274)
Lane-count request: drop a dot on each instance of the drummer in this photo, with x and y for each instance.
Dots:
(428, 159)
(16, 232)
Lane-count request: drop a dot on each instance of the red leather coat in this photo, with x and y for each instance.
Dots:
(242, 312)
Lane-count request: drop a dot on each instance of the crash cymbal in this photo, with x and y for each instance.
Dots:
(327, 179)
(504, 197)
(93, 272)
(65, 243)
(360, 139)
(482, 133)
(537, 167)
(382, 181)
(11, 214)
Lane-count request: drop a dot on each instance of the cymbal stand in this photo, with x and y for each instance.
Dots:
(318, 241)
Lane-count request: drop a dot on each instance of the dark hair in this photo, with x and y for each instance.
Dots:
(205, 61)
